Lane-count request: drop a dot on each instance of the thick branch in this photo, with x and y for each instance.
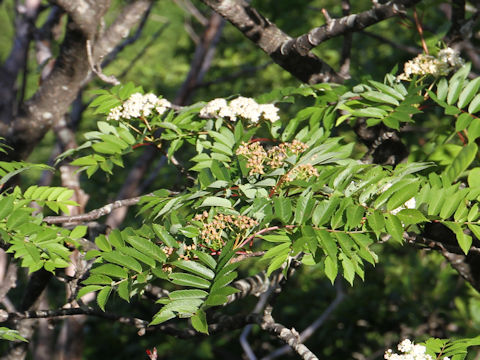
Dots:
(69, 75)
(289, 336)
(268, 37)
(347, 24)
(85, 13)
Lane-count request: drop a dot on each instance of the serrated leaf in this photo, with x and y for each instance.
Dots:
(377, 96)
(146, 259)
(331, 268)
(123, 291)
(195, 268)
(102, 243)
(6, 206)
(303, 210)
(117, 257)
(216, 201)
(206, 259)
(411, 216)
(88, 289)
(348, 269)
(79, 232)
(474, 106)
(111, 270)
(187, 294)
(468, 93)
(164, 236)
(102, 297)
(461, 162)
(189, 280)
(464, 240)
(147, 247)
(282, 209)
(394, 227)
(376, 221)
(97, 280)
(199, 322)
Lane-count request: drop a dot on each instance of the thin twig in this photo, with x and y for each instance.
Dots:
(97, 69)
(94, 214)
(310, 330)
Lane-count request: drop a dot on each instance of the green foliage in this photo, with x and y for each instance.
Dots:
(11, 335)
(452, 349)
(286, 187)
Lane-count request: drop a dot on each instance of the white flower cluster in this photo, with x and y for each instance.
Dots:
(138, 105)
(240, 107)
(447, 60)
(409, 351)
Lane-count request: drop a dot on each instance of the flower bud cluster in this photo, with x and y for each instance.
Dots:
(275, 157)
(302, 172)
(213, 231)
(241, 107)
(447, 60)
(187, 252)
(409, 351)
(138, 105)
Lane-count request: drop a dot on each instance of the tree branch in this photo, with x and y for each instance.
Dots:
(346, 24)
(289, 336)
(92, 215)
(267, 36)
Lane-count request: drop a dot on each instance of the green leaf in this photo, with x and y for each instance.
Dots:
(348, 269)
(331, 268)
(324, 211)
(474, 106)
(283, 209)
(147, 247)
(380, 97)
(189, 280)
(216, 201)
(187, 294)
(283, 248)
(475, 230)
(442, 89)
(164, 236)
(11, 335)
(199, 322)
(103, 244)
(123, 260)
(327, 242)
(394, 227)
(376, 221)
(463, 121)
(88, 289)
(461, 162)
(97, 280)
(123, 291)
(79, 232)
(111, 270)
(195, 268)
(102, 296)
(468, 93)
(304, 207)
(411, 216)
(206, 259)
(6, 206)
(400, 197)
(464, 240)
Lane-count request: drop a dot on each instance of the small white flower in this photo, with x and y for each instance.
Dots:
(138, 105)
(447, 60)
(241, 107)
